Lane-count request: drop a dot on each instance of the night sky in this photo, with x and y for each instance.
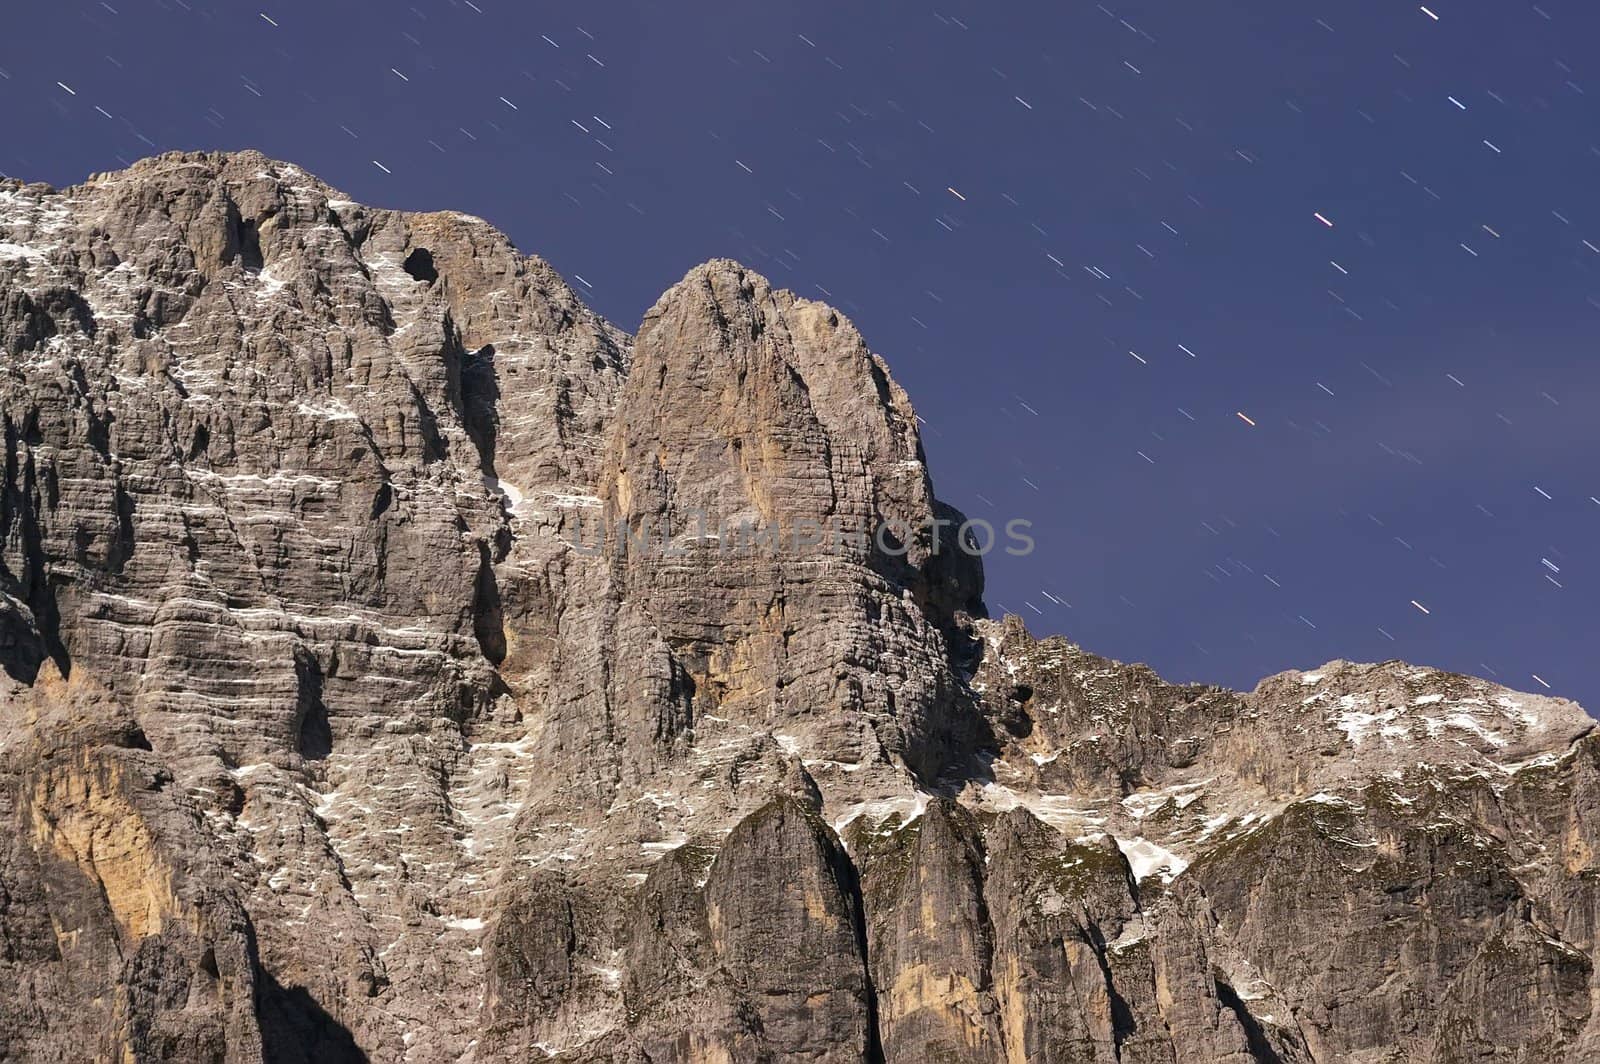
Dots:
(1277, 318)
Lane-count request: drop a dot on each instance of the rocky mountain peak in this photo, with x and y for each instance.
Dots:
(404, 663)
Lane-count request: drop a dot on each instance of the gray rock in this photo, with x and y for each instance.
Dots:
(403, 663)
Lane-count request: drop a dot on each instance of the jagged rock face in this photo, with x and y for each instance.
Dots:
(123, 935)
(750, 409)
(403, 663)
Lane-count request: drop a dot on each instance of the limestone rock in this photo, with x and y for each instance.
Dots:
(402, 663)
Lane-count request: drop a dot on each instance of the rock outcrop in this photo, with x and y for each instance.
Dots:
(402, 663)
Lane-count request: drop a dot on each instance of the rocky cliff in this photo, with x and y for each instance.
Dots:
(402, 663)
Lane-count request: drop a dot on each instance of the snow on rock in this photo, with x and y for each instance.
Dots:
(1150, 859)
(508, 492)
(1357, 723)
(907, 808)
(1390, 703)
(20, 251)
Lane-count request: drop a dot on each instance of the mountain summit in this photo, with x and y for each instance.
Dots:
(403, 663)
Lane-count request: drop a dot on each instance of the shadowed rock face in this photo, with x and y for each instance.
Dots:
(403, 663)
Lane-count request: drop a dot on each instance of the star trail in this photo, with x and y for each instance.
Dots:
(1204, 292)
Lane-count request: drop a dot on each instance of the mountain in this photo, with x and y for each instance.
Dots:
(403, 663)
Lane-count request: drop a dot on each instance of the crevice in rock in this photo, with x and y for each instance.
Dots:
(433, 446)
(122, 547)
(130, 736)
(1255, 1038)
(676, 716)
(880, 377)
(250, 245)
(488, 618)
(1122, 1021)
(480, 404)
(849, 879)
(419, 264)
(201, 441)
(296, 1029)
(382, 500)
(313, 735)
(26, 641)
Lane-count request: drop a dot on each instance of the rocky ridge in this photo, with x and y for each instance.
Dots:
(374, 690)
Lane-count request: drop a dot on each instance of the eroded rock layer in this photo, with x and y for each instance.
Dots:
(402, 663)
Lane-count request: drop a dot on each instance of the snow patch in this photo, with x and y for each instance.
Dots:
(1516, 711)
(271, 285)
(907, 809)
(21, 251)
(1149, 859)
(1133, 933)
(1142, 805)
(1358, 724)
(565, 499)
(510, 493)
(665, 845)
(1468, 723)
(1324, 798)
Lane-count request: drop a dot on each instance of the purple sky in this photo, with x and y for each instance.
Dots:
(1085, 237)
